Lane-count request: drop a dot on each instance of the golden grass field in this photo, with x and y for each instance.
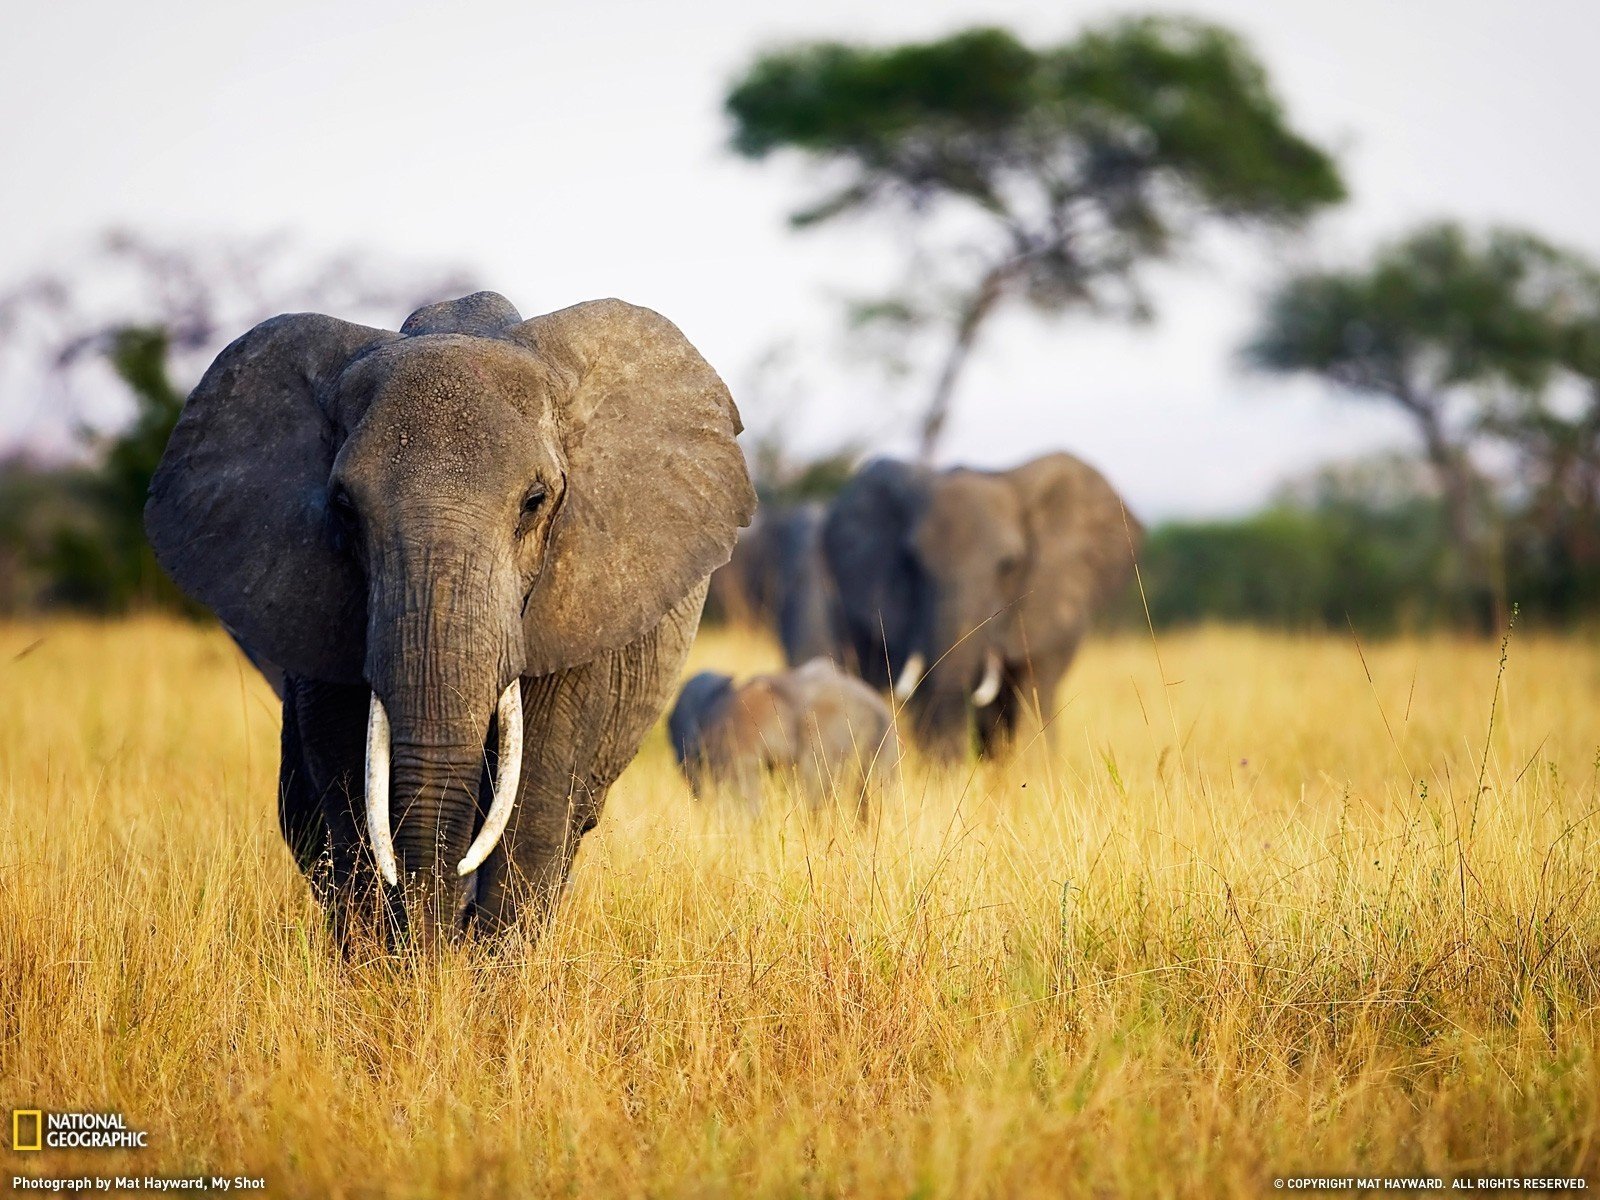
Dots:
(1252, 915)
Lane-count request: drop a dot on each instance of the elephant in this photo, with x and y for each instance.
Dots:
(744, 590)
(777, 579)
(968, 591)
(833, 731)
(475, 553)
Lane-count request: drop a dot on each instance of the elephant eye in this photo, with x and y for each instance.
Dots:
(342, 506)
(532, 502)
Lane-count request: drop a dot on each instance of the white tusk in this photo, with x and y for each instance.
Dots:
(910, 676)
(989, 685)
(378, 791)
(505, 786)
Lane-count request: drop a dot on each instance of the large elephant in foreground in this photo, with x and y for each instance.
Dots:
(969, 591)
(477, 549)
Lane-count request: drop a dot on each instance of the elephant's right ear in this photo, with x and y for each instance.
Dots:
(237, 509)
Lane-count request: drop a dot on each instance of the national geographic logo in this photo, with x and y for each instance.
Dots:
(23, 1120)
(35, 1129)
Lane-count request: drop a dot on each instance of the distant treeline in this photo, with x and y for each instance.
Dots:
(1366, 544)
(72, 537)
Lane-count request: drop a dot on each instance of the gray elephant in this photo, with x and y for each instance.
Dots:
(477, 549)
(969, 591)
(830, 729)
(777, 579)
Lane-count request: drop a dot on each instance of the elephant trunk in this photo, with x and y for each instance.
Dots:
(964, 671)
(434, 794)
(940, 719)
(438, 659)
(508, 717)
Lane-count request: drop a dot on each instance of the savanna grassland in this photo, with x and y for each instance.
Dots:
(1266, 907)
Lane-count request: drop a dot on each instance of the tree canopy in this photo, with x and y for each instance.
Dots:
(1471, 334)
(978, 115)
(1080, 161)
(1436, 310)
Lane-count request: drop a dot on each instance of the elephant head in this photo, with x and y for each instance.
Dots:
(726, 735)
(696, 713)
(438, 513)
(968, 589)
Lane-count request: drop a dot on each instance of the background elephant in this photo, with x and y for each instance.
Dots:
(744, 590)
(477, 549)
(833, 731)
(777, 580)
(972, 589)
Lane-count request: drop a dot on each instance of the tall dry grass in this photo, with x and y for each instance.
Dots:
(1252, 914)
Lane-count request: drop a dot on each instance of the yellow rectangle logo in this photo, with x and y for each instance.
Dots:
(19, 1119)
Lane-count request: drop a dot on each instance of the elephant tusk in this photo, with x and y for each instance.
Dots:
(509, 711)
(989, 685)
(910, 676)
(378, 791)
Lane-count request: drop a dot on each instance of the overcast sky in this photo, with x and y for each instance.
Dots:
(563, 152)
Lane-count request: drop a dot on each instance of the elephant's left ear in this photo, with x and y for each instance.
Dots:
(1084, 541)
(657, 487)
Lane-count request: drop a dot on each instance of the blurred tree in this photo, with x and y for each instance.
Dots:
(148, 310)
(1452, 328)
(774, 400)
(1354, 543)
(1064, 168)
(1553, 550)
(784, 477)
(131, 575)
(60, 327)
(44, 508)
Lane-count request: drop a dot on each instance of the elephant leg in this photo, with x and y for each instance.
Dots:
(941, 721)
(744, 778)
(874, 786)
(880, 764)
(816, 777)
(867, 657)
(299, 807)
(330, 735)
(524, 885)
(839, 749)
(558, 800)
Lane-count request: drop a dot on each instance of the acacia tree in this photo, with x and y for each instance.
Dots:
(1553, 433)
(1062, 170)
(1464, 333)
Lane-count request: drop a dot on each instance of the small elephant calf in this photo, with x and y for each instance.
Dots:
(831, 730)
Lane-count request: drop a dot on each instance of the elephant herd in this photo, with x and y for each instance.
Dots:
(471, 556)
(963, 593)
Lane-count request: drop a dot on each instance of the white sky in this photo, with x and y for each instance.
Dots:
(573, 151)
